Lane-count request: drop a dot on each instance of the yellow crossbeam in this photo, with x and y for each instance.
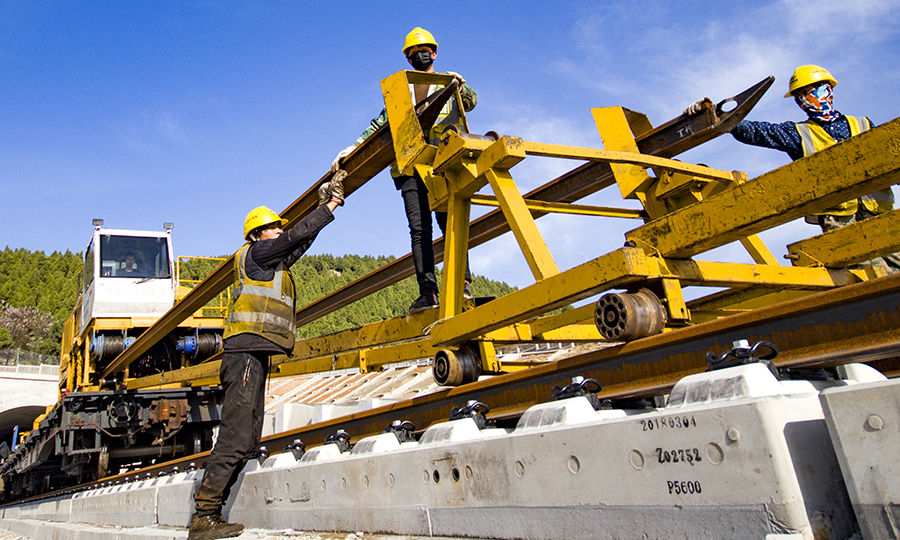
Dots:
(844, 171)
(608, 271)
(625, 158)
(849, 245)
(719, 274)
(566, 208)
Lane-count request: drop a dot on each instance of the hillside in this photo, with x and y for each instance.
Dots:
(38, 291)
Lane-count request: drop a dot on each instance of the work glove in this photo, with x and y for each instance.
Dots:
(458, 77)
(333, 190)
(697, 106)
(336, 164)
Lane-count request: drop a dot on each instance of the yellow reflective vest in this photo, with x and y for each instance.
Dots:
(815, 138)
(264, 308)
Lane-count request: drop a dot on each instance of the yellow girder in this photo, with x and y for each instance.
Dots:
(849, 245)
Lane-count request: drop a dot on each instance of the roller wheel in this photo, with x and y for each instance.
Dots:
(455, 368)
(629, 316)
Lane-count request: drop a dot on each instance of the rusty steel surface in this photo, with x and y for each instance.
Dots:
(857, 323)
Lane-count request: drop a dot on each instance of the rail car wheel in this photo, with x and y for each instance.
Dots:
(629, 316)
(102, 463)
(454, 368)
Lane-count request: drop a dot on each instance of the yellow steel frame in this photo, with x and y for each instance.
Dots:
(687, 209)
(219, 304)
(849, 245)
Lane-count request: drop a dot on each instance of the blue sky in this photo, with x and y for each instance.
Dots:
(195, 112)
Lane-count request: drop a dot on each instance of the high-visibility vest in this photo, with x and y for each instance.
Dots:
(814, 139)
(264, 308)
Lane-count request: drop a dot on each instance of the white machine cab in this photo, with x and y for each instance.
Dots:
(128, 274)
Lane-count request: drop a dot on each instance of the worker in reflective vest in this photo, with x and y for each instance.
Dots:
(812, 88)
(260, 324)
(420, 50)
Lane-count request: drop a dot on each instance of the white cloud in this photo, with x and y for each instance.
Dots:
(169, 126)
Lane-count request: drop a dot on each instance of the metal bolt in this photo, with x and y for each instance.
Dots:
(875, 422)
(733, 434)
(741, 344)
(578, 379)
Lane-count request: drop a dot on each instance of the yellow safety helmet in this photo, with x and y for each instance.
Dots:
(259, 217)
(809, 74)
(418, 36)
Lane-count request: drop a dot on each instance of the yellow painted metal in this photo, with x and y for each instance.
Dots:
(676, 309)
(625, 158)
(671, 190)
(356, 348)
(564, 208)
(510, 333)
(405, 129)
(542, 325)
(410, 146)
(849, 245)
(410, 327)
(614, 269)
(844, 171)
(718, 274)
(489, 361)
(456, 244)
(196, 375)
(617, 135)
(690, 208)
(511, 366)
(581, 331)
(571, 325)
(736, 301)
(522, 224)
(758, 251)
(219, 306)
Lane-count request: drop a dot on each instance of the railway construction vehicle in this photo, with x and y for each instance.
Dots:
(97, 426)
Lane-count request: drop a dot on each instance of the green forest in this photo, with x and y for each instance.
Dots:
(38, 292)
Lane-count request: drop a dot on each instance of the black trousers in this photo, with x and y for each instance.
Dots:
(418, 216)
(243, 377)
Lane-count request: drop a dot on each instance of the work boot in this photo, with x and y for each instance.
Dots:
(468, 299)
(467, 291)
(426, 300)
(212, 527)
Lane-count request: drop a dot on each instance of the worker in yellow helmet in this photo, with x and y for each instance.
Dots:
(420, 50)
(812, 88)
(260, 324)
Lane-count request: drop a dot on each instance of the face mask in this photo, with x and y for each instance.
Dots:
(817, 103)
(421, 60)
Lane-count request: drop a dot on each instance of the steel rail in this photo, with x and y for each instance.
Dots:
(856, 323)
